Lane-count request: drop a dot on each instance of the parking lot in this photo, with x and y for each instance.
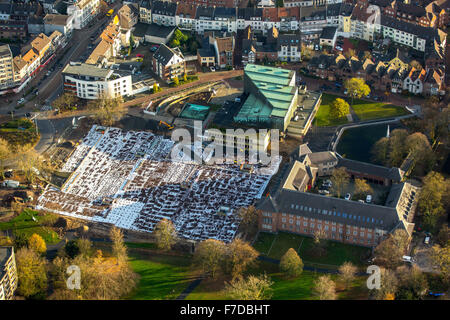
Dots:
(379, 193)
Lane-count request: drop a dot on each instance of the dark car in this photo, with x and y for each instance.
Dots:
(28, 115)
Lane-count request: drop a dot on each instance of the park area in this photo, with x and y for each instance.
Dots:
(323, 117)
(29, 222)
(275, 246)
(19, 132)
(364, 110)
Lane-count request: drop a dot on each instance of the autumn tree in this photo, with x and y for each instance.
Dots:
(239, 256)
(419, 150)
(84, 247)
(325, 288)
(102, 278)
(165, 234)
(37, 244)
(391, 249)
(362, 188)
(412, 283)
(431, 198)
(320, 241)
(5, 154)
(391, 151)
(31, 163)
(119, 248)
(66, 102)
(210, 254)
(107, 110)
(291, 264)
(356, 88)
(443, 237)
(340, 179)
(441, 257)
(388, 285)
(251, 288)
(347, 273)
(31, 272)
(185, 79)
(176, 81)
(249, 219)
(339, 108)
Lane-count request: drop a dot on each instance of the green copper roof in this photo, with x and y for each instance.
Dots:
(273, 83)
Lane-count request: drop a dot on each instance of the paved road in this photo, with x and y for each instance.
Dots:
(203, 78)
(51, 87)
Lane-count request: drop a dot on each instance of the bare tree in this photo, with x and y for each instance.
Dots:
(252, 288)
(210, 255)
(165, 234)
(240, 255)
(347, 273)
(340, 180)
(325, 288)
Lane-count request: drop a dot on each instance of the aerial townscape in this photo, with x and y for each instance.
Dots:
(224, 150)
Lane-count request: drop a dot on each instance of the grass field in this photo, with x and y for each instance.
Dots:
(367, 110)
(300, 288)
(336, 254)
(162, 276)
(323, 117)
(24, 224)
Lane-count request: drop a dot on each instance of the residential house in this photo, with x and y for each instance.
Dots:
(168, 63)
(163, 13)
(289, 47)
(6, 67)
(414, 81)
(60, 22)
(8, 273)
(90, 82)
(145, 12)
(83, 12)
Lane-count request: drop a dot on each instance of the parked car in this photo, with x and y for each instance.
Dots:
(28, 115)
(408, 259)
(212, 69)
(427, 240)
(328, 183)
(348, 196)
(369, 198)
(21, 100)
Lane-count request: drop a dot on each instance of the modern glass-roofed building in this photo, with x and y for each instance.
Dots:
(272, 97)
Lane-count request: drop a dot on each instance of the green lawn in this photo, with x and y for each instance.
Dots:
(367, 110)
(283, 288)
(24, 224)
(162, 276)
(336, 254)
(323, 117)
(264, 241)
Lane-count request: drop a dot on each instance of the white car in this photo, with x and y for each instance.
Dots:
(212, 69)
(408, 259)
(427, 240)
(348, 196)
(369, 198)
(21, 100)
(339, 48)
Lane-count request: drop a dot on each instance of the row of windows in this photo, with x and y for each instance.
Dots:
(332, 235)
